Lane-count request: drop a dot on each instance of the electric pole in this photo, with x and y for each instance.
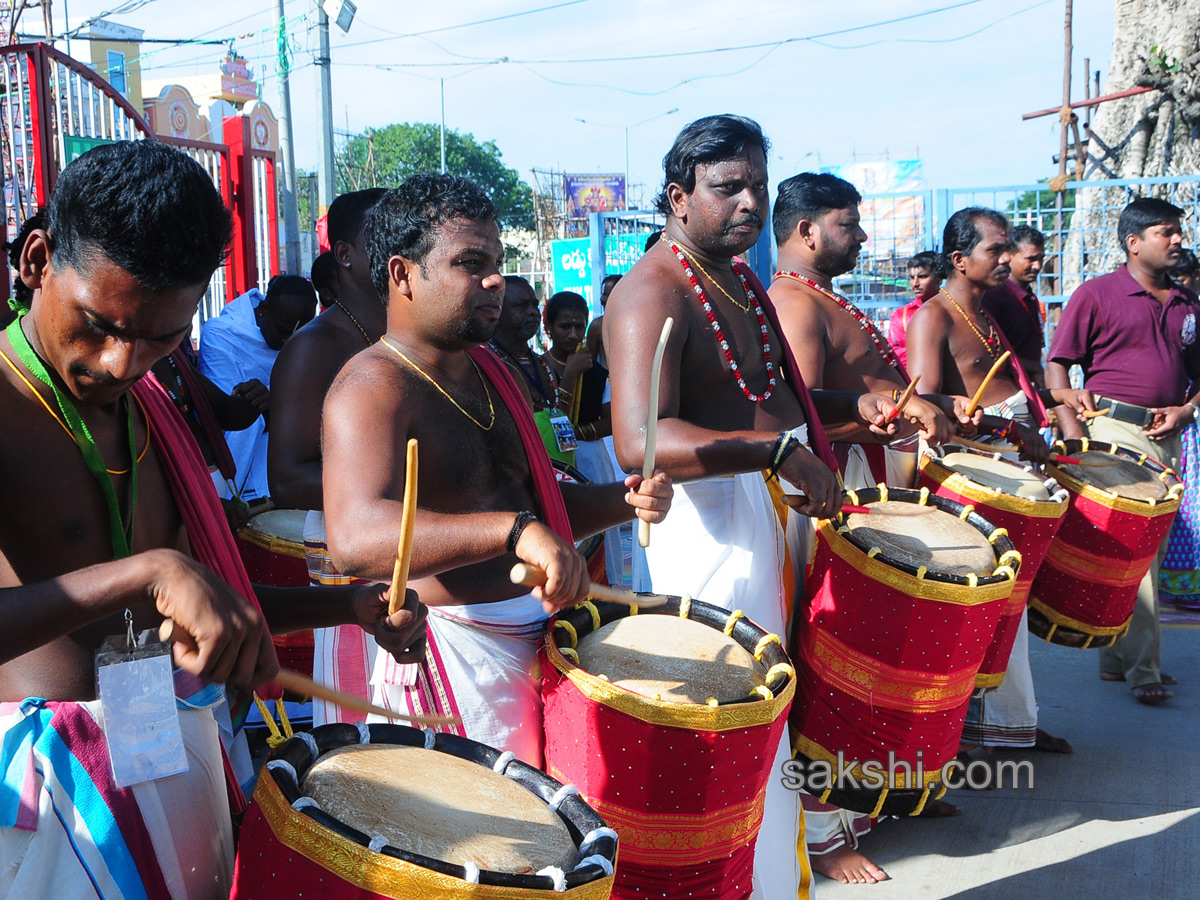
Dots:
(291, 214)
(325, 170)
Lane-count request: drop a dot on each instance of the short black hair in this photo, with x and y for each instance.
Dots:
(289, 286)
(519, 282)
(614, 278)
(406, 219)
(962, 234)
(706, 140)
(809, 195)
(1143, 213)
(144, 206)
(1188, 264)
(348, 213)
(22, 294)
(1027, 234)
(323, 273)
(926, 259)
(563, 301)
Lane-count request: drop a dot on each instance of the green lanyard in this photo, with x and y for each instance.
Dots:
(122, 535)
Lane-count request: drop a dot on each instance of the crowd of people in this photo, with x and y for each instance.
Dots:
(773, 399)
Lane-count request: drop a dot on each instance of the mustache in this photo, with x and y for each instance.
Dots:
(748, 220)
(100, 379)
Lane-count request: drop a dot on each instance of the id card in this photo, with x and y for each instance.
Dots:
(139, 716)
(564, 433)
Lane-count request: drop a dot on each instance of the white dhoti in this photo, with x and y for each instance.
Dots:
(343, 656)
(722, 544)
(481, 664)
(1007, 716)
(900, 462)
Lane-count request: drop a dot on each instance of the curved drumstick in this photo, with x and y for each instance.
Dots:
(1092, 414)
(169, 632)
(1058, 458)
(904, 398)
(533, 576)
(407, 524)
(652, 420)
(974, 404)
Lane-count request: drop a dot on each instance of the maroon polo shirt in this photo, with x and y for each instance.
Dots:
(1131, 347)
(1015, 309)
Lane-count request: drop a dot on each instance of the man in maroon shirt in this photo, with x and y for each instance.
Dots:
(1133, 332)
(1015, 307)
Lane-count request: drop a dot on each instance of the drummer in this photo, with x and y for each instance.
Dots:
(952, 345)
(727, 413)
(487, 493)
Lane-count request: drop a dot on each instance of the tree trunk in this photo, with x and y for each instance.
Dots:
(1156, 43)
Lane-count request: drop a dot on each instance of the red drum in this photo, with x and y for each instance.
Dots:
(669, 722)
(900, 608)
(272, 549)
(1085, 591)
(1029, 506)
(384, 811)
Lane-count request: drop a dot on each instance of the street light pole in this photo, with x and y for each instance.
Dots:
(325, 170)
(661, 115)
(291, 215)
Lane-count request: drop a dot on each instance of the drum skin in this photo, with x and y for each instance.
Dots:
(682, 783)
(886, 659)
(1084, 593)
(1031, 525)
(286, 853)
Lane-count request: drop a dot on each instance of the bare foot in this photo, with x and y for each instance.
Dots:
(848, 866)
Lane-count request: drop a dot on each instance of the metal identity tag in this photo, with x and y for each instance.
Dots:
(137, 702)
(564, 433)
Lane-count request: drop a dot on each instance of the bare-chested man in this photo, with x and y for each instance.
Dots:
(487, 495)
(952, 343)
(725, 409)
(342, 657)
(109, 508)
(818, 231)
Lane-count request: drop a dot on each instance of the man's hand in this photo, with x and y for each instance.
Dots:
(875, 411)
(567, 581)
(225, 639)
(402, 634)
(968, 426)
(806, 473)
(1079, 401)
(256, 392)
(1169, 421)
(1031, 445)
(929, 420)
(650, 498)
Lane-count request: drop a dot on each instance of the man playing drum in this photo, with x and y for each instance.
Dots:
(1134, 333)
(111, 509)
(952, 345)
(726, 413)
(487, 494)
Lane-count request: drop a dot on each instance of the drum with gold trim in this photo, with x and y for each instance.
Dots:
(900, 607)
(668, 720)
(1026, 504)
(272, 548)
(1084, 593)
(386, 811)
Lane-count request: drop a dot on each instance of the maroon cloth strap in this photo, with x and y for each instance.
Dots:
(1036, 406)
(545, 485)
(791, 371)
(204, 414)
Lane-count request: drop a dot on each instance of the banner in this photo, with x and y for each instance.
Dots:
(593, 193)
(893, 224)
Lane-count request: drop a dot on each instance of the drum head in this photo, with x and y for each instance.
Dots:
(669, 658)
(1125, 479)
(917, 536)
(998, 474)
(284, 524)
(440, 806)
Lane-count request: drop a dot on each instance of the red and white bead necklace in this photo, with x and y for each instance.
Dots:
(884, 348)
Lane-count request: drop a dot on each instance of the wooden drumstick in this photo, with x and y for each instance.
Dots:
(904, 398)
(533, 576)
(974, 404)
(408, 521)
(169, 632)
(652, 420)
(1092, 414)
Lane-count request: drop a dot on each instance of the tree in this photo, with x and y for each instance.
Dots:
(385, 157)
(1036, 208)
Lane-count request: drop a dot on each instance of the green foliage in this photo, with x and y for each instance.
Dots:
(1161, 64)
(1041, 205)
(385, 157)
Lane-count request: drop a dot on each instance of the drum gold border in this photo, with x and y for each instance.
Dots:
(1093, 568)
(1067, 622)
(991, 680)
(671, 713)
(382, 874)
(271, 543)
(1120, 504)
(921, 588)
(954, 480)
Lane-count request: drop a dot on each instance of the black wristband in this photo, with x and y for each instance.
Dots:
(524, 517)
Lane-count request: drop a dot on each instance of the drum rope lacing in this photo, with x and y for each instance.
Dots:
(277, 735)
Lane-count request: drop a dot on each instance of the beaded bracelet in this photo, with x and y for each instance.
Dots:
(524, 517)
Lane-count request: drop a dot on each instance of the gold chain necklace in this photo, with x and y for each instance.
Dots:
(561, 362)
(357, 324)
(986, 341)
(441, 390)
(744, 307)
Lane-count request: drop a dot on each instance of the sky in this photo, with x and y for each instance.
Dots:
(830, 81)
